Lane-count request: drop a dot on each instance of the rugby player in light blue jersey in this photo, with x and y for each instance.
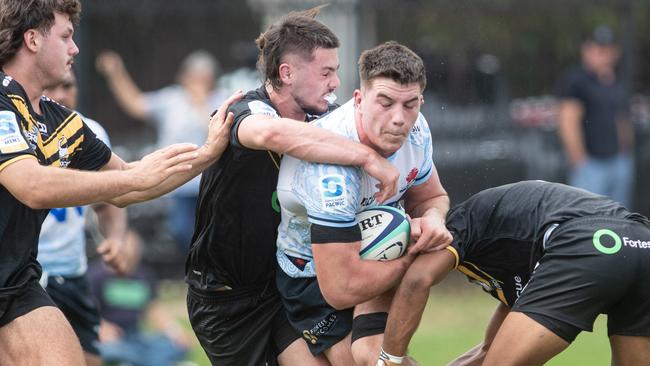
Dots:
(323, 281)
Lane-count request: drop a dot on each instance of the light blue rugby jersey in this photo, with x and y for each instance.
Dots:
(62, 241)
(332, 195)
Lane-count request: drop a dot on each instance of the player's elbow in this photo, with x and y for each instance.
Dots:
(269, 137)
(416, 281)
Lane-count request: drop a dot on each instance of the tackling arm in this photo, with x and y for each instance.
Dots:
(40, 187)
(411, 297)
(311, 143)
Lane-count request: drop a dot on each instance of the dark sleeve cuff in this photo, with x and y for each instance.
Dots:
(327, 234)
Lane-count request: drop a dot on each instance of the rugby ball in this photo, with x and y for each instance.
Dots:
(385, 233)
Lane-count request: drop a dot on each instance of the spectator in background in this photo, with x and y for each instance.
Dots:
(127, 303)
(180, 113)
(594, 123)
(62, 246)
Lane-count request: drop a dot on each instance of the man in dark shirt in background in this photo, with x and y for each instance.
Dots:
(595, 127)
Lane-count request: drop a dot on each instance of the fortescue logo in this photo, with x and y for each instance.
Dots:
(603, 249)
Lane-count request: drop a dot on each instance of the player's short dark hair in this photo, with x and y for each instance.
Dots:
(394, 61)
(19, 16)
(297, 33)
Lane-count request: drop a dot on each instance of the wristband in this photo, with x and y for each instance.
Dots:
(384, 356)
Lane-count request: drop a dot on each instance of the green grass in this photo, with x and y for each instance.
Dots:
(454, 321)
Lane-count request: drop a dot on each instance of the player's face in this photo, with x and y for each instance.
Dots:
(64, 93)
(315, 80)
(385, 113)
(57, 51)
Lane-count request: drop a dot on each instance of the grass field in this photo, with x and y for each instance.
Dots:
(454, 321)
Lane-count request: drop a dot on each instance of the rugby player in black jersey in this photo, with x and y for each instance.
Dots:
(233, 302)
(38, 139)
(555, 257)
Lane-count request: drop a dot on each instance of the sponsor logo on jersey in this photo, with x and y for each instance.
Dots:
(333, 192)
(7, 79)
(63, 152)
(11, 140)
(607, 248)
(32, 137)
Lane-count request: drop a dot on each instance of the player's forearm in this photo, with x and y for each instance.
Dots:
(112, 221)
(361, 281)
(54, 187)
(435, 207)
(311, 143)
(404, 316)
(199, 164)
(411, 297)
(474, 357)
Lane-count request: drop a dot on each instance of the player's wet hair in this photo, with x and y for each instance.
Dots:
(297, 33)
(394, 61)
(19, 16)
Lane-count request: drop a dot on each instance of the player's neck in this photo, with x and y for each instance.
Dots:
(28, 80)
(285, 104)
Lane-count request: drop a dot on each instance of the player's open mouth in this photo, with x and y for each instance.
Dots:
(330, 98)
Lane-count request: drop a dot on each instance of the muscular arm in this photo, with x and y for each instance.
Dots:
(570, 130)
(346, 280)
(124, 89)
(428, 204)
(40, 187)
(476, 355)
(311, 143)
(411, 297)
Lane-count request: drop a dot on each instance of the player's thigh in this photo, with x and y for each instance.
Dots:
(43, 336)
(523, 341)
(629, 350)
(340, 354)
(298, 354)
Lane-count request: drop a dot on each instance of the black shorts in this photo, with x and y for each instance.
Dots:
(321, 325)
(240, 327)
(22, 301)
(72, 296)
(592, 266)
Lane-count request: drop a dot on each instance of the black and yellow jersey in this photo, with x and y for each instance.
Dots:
(238, 212)
(57, 138)
(498, 233)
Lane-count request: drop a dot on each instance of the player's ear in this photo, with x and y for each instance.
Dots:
(357, 98)
(32, 39)
(285, 71)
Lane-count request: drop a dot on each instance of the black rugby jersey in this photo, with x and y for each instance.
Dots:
(238, 212)
(58, 138)
(498, 232)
